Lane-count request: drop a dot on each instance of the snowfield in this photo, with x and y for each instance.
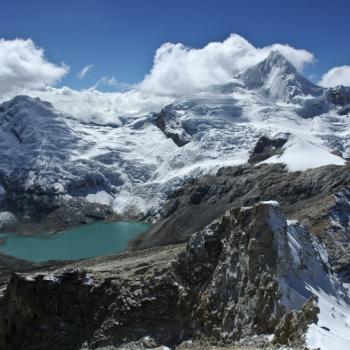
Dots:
(332, 330)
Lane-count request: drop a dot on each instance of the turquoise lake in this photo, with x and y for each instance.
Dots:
(80, 242)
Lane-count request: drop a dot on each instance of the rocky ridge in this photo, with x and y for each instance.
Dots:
(317, 197)
(225, 285)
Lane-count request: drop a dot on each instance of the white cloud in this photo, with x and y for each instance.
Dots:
(101, 107)
(84, 71)
(112, 81)
(179, 70)
(109, 81)
(298, 57)
(336, 76)
(24, 66)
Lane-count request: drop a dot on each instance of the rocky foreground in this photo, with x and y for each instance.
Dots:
(221, 267)
(241, 280)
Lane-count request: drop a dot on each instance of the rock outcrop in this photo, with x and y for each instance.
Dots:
(266, 148)
(318, 198)
(223, 285)
(160, 121)
(52, 214)
(293, 325)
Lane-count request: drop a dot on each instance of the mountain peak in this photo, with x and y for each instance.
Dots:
(26, 101)
(279, 78)
(277, 59)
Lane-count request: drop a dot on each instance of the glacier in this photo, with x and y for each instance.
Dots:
(134, 157)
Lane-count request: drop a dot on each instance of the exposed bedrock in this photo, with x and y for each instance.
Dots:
(266, 148)
(319, 198)
(54, 215)
(223, 285)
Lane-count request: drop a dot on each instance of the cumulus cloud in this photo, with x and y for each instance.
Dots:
(101, 107)
(336, 76)
(178, 69)
(298, 57)
(24, 66)
(84, 71)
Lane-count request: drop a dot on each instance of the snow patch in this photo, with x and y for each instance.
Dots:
(300, 154)
(101, 197)
(308, 274)
(7, 218)
(51, 277)
(333, 327)
(273, 203)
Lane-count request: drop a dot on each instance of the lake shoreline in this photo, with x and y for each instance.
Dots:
(80, 242)
(69, 213)
(38, 230)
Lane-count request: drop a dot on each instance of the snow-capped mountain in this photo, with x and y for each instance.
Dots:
(46, 152)
(268, 113)
(279, 79)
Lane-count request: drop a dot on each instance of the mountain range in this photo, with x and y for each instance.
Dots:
(247, 184)
(50, 157)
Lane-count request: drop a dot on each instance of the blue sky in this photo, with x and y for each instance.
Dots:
(119, 38)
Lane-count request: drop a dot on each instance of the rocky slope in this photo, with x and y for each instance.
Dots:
(319, 198)
(240, 279)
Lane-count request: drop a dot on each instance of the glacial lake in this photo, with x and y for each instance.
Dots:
(85, 241)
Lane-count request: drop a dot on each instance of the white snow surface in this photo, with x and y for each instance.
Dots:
(301, 154)
(129, 160)
(303, 272)
(307, 274)
(333, 328)
(101, 197)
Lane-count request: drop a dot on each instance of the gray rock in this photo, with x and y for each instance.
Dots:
(293, 325)
(221, 286)
(318, 198)
(266, 148)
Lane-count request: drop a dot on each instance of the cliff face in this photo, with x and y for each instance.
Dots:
(241, 296)
(227, 283)
(108, 302)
